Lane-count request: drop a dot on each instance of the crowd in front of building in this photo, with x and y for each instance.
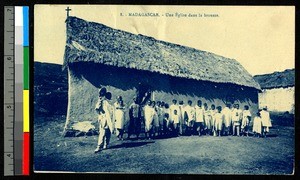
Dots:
(160, 119)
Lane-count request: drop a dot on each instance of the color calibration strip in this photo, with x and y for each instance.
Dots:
(17, 19)
(26, 134)
(22, 89)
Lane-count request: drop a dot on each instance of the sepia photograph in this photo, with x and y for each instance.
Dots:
(144, 89)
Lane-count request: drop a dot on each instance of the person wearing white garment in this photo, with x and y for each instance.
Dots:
(189, 117)
(149, 115)
(212, 113)
(173, 107)
(236, 119)
(155, 118)
(256, 129)
(182, 124)
(218, 121)
(266, 121)
(105, 122)
(227, 119)
(199, 119)
(245, 121)
(208, 118)
(119, 115)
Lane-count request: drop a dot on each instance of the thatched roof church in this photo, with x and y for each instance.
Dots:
(131, 64)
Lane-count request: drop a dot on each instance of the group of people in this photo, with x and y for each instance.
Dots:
(161, 119)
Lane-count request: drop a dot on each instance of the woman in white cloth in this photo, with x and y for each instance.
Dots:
(149, 116)
(119, 109)
(257, 125)
(218, 122)
(266, 121)
(227, 119)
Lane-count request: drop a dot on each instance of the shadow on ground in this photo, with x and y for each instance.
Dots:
(130, 144)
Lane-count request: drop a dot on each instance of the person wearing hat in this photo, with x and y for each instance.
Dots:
(119, 116)
(103, 110)
(266, 121)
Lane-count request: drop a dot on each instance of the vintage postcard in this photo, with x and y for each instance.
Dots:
(164, 89)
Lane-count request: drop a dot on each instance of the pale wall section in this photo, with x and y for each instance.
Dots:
(278, 99)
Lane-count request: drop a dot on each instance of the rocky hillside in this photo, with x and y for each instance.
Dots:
(276, 79)
(50, 89)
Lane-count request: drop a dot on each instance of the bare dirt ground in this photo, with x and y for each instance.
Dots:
(180, 155)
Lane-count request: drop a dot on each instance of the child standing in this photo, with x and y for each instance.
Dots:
(245, 121)
(175, 123)
(257, 125)
(119, 117)
(166, 119)
(218, 121)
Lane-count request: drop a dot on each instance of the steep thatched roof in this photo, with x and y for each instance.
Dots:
(89, 41)
(276, 79)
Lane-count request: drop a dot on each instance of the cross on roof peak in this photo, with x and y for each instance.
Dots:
(68, 9)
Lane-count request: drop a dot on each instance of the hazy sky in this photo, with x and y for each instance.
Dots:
(262, 38)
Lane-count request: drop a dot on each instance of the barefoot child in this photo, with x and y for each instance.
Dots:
(119, 117)
(175, 119)
(245, 121)
(257, 125)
